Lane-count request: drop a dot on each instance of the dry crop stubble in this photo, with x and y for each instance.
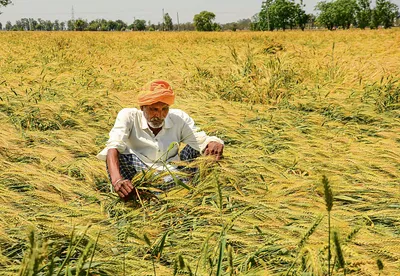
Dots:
(291, 106)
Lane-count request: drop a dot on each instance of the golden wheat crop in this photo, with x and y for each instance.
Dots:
(290, 106)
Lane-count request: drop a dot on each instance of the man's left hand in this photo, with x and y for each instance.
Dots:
(214, 148)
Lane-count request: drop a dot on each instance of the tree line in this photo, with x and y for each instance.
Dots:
(286, 14)
(31, 24)
(274, 15)
(359, 13)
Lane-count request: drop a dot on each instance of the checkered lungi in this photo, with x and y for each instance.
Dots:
(130, 165)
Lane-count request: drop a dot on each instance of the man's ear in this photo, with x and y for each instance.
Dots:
(141, 108)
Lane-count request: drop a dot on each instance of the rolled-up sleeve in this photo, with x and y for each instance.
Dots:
(119, 134)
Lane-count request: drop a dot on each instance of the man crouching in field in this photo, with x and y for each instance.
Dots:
(142, 139)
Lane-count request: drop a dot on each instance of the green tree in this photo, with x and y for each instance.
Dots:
(25, 24)
(265, 21)
(234, 27)
(94, 25)
(18, 26)
(111, 25)
(9, 26)
(345, 12)
(70, 25)
(280, 14)
(375, 19)
(286, 13)
(99, 25)
(80, 25)
(216, 27)
(49, 26)
(56, 25)
(338, 13)
(363, 13)
(204, 21)
(41, 25)
(168, 25)
(138, 25)
(33, 24)
(103, 25)
(121, 25)
(327, 14)
(386, 12)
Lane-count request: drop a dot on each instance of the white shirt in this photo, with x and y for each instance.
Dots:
(131, 134)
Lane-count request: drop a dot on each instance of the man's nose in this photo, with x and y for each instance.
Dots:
(158, 113)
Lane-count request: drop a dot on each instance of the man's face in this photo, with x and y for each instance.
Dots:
(155, 114)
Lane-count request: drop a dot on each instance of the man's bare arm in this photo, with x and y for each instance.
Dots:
(122, 186)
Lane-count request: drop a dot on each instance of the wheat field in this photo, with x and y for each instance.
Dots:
(291, 107)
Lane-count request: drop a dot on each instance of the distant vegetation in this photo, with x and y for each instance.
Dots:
(274, 15)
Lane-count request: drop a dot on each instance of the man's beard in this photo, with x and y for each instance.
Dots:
(156, 122)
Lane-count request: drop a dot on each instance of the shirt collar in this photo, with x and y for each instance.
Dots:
(167, 122)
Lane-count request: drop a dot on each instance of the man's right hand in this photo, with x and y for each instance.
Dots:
(123, 187)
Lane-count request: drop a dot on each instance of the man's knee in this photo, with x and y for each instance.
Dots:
(188, 153)
(129, 165)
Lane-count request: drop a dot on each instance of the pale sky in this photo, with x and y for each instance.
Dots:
(127, 10)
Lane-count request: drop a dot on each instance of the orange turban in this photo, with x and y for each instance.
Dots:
(157, 91)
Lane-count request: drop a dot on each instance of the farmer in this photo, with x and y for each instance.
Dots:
(150, 137)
